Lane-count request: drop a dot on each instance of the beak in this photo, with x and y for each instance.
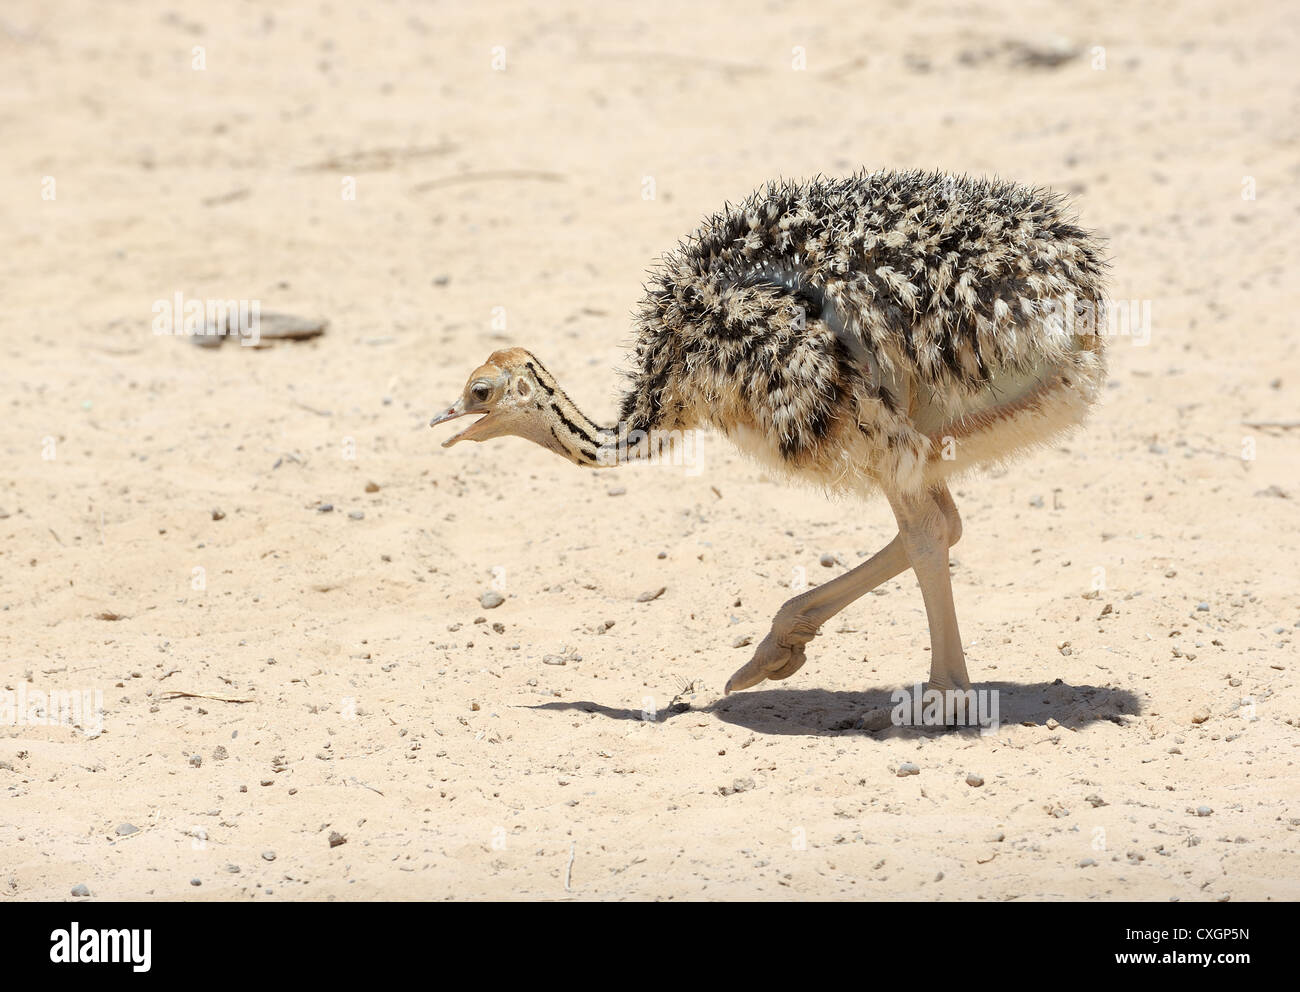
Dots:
(451, 413)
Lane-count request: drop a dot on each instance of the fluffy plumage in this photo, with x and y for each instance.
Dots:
(888, 328)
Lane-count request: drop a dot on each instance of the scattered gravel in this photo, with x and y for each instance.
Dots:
(737, 785)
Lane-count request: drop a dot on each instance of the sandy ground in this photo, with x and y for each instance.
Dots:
(385, 704)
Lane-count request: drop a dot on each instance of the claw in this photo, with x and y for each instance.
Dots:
(772, 660)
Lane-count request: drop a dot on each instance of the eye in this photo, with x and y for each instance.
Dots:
(480, 392)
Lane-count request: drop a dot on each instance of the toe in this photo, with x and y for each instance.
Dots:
(772, 660)
(797, 658)
(769, 658)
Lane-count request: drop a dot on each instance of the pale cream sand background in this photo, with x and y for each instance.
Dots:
(470, 768)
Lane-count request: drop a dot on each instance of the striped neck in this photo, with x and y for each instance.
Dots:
(575, 435)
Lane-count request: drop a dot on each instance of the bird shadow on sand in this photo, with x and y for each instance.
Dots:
(621, 713)
(813, 712)
(819, 711)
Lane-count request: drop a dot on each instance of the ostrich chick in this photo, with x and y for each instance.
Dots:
(884, 331)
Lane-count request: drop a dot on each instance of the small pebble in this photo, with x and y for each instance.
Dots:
(126, 829)
(337, 838)
(737, 785)
(1201, 715)
(491, 599)
(218, 515)
(372, 487)
(907, 768)
(196, 881)
(1203, 811)
(268, 855)
(356, 514)
(220, 753)
(325, 508)
(1203, 607)
(196, 760)
(974, 780)
(555, 659)
(80, 891)
(1087, 863)
(618, 491)
(652, 595)
(827, 559)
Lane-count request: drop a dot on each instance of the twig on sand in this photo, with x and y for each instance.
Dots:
(311, 409)
(568, 871)
(357, 781)
(1283, 424)
(680, 59)
(175, 693)
(377, 159)
(481, 177)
